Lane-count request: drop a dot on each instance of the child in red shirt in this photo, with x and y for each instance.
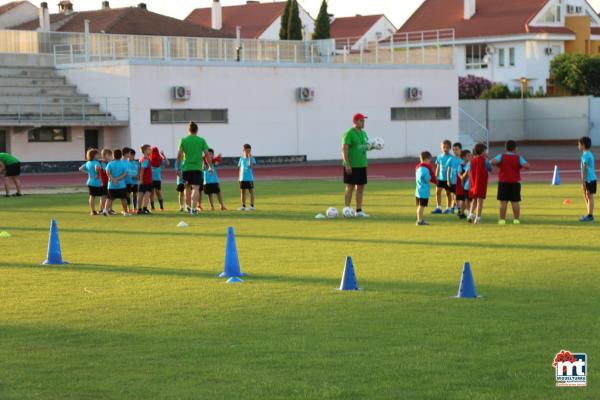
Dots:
(145, 179)
(106, 156)
(509, 181)
(478, 181)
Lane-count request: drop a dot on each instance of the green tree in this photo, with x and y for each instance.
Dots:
(294, 23)
(283, 31)
(496, 91)
(322, 24)
(578, 74)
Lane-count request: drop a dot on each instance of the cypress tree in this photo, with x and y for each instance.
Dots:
(294, 23)
(283, 31)
(322, 24)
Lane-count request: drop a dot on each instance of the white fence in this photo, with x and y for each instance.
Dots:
(431, 47)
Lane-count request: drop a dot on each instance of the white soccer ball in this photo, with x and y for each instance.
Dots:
(375, 144)
(348, 212)
(332, 212)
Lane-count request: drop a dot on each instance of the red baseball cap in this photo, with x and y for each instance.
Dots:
(358, 117)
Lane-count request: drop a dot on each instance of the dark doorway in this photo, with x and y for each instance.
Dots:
(3, 140)
(91, 139)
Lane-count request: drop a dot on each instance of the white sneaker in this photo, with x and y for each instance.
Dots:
(126, 214)
(477, 220)
(251, 208)
(362, 214)
(242, 209)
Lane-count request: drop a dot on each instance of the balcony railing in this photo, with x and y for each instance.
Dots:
(431, 47)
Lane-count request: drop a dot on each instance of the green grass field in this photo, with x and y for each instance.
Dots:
(140, 314)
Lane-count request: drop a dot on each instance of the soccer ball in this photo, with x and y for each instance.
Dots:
(348, 212)
(376, 143)
(332, 212)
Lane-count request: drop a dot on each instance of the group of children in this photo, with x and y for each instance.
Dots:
(117, 175)
(464, 178)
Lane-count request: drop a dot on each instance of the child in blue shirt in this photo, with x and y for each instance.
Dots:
(92, 167)
(246, 165)
(442, 163)
(132, 178)
(117, 171)
(183, 205)
(588, 177)
(466, 167)
(423, 179)
(454, 168)
(211, 182)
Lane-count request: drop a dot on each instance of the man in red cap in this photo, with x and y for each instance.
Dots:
(354, 154)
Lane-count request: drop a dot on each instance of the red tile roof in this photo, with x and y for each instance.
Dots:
(9, 6)
(492, 18)
(128, 21)
(353, 27)
(253, 18)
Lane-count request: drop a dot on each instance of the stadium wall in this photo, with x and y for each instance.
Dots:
(263, 110)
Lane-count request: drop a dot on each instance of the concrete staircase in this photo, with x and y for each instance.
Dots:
(37, 94)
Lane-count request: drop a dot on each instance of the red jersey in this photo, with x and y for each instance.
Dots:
(103, 174)
(510, 168)
(478, 177)
(460, 188)
(431, 171)
(146, 172)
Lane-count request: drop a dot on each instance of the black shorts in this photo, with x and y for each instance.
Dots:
(358, 177)
(96, 191)
(462, 197)
(214, 188)
(145, 188)
(452, 189)
(114, 194)
(590, 187)
(12, 169)
(443, 185)
(193, 178)
(422, 202)
(104, 191)
(157, 185)
(132, 188)
(509, 192)
(246, 185)
(180, 188)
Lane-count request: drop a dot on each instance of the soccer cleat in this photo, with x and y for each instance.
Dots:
(251, 208)
(477, 221)
(224, 208)
(422, 223)
(242, 208)
(516, 222)
(449, 211)
(502, 222)
(362, 214)
(105, 213)
(437, 211)
(586, 218)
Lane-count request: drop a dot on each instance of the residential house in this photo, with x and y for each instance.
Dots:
(359, 30)
(16, 12)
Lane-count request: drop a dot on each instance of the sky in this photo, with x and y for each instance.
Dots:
(396, 10)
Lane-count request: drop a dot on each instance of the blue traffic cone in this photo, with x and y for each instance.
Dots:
(467, 284)
(349, 278)
(556, 176)
(54, 253)
(232, 262)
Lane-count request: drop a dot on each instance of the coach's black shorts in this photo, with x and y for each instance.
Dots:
(443, 185)
(358, 177)
(214, 188)
(145, 188)
(96, 191)
(157, 185)
(12, 169)
(114, 194)
(590, 187)
(246, 185)
(422, 202)
(180, 188)
(132, 188)
(509, 192)
(193, 178)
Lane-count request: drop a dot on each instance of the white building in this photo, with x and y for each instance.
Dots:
(360, 30)
(256, 20)
(16, 12)
(505, 41)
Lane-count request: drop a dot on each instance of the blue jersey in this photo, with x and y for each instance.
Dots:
(587, 159)
(455, 165)
(179, 170)
(246, 174)
(423, 178)
(209, 177)
(134, 172)
(443, 160)
(156, 171)
(116, 168)
(93, 174)
(467, 168)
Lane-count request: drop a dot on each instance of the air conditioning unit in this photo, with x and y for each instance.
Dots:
(180, 93)
(414, 93)
(548, 51)
(305, 94)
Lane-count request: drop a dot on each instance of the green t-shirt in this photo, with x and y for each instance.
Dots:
(357, 147)
(193, 151)
(7, 159)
